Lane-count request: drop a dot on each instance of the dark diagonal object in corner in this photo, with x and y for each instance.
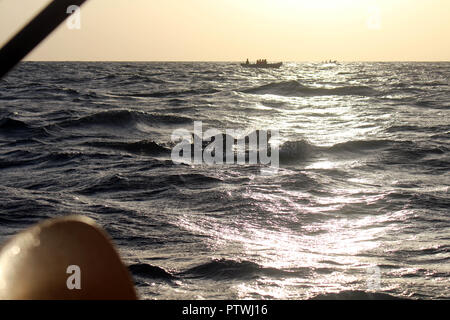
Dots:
(33, 33)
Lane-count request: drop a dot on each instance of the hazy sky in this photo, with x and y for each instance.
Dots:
(233, 30)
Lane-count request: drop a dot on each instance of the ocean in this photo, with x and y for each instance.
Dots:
(358, 208)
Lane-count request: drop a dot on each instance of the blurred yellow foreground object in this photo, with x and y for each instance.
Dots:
(59, 259)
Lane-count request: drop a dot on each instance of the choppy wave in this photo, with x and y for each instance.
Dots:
(221, 270)
(397, 150)
(360, 145)
(432, 104)
(147, 147)
(229, 269)
(119, 118)
(297, 150)
(20, 158)
(8, 124)
(409, 128)
(120, 183)
(171, 94)
(151, 272)
(302, 149)
(356, 295)
(13, 127)
(294, 88)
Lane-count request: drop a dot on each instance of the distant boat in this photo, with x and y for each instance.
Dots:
(330, 62)
(262, 64)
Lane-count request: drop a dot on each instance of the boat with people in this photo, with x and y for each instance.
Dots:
(330, 63)
(261, 63)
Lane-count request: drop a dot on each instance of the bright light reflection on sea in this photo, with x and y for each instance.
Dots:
(310, 248)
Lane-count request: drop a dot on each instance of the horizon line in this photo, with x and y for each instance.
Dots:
(237, 61)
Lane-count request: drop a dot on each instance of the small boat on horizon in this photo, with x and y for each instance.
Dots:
(262, 63)
(330, 62)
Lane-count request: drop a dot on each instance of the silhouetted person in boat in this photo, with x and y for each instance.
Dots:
(247, 62)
